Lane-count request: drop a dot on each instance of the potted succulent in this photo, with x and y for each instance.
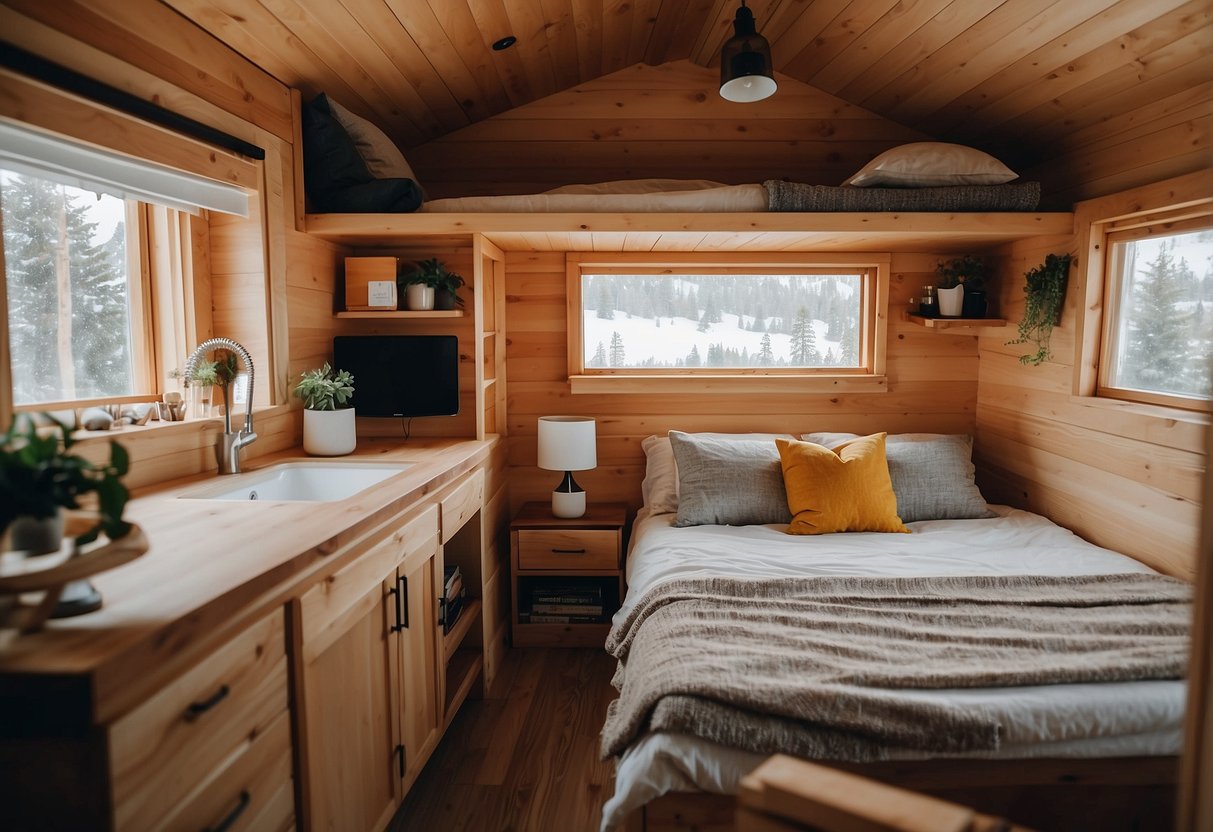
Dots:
(961, 287)
(446, 295)
(425, 281)
(329, 428)
(40, 476)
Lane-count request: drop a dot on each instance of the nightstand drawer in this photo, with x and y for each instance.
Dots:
(570, 550)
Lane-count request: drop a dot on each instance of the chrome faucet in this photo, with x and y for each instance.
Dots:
(231, 442)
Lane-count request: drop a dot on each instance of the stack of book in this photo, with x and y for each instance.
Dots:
(453, 592)
(555, 604)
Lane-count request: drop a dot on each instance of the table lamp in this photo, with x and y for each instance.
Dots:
(566, 443)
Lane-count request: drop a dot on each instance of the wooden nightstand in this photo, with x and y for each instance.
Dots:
(567, 575)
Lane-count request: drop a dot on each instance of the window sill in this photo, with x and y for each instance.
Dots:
(725, 384)
(188, 426)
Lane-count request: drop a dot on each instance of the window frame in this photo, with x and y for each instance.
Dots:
(869, 378)
(1098, 316)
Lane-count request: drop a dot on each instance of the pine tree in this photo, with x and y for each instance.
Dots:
(600, 357)
(1155, 348)
(693, 358)
(606, 303)
(766, 357)
(616, 354)
(803, 346)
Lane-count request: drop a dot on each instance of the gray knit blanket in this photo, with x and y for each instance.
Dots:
(794, 196)
(820, 667)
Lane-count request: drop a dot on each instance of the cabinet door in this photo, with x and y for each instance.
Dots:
(420, 659)
(350, 664)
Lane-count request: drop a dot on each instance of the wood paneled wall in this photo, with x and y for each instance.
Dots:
(1122, 476)
(665, 121)
(932, 387)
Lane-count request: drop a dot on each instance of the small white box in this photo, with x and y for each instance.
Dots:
(381, 293)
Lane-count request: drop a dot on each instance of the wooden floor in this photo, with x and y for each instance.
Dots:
(526, 757)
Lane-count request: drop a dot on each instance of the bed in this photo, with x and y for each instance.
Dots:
(1138, 720)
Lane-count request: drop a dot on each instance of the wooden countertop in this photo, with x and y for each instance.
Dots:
(212, 566)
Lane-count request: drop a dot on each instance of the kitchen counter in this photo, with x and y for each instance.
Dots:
(211, 567)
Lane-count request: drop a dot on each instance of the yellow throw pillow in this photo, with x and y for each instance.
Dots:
(844, 490)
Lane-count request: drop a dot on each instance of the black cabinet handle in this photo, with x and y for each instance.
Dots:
(395, 593)
(400, 759)
(231, 817)
(197, 709)
(403, 583)
(568, 551)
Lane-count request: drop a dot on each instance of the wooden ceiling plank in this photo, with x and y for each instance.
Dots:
(527, 24)
(877, 41)
(644, 21)
(670, 18)
(153, 40)
(997, 41)
(251, 30)
(871, 87)
(561, 33)
(378, 42)
(1118, 39)
(1123, 154)
(671, 129)
(1179, 66)
(616, 32)
(688, 28)
(465, 36)
(793, 35)
(715, 26)
(838, 37)
(587, 23)
(1171, 109)
(493, 23)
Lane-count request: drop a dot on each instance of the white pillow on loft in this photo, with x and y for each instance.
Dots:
(932, 164)
(379, 153)
(638, 186)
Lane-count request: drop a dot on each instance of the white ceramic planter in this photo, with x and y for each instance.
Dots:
(329, 432)
(418, 297)
(951, 301)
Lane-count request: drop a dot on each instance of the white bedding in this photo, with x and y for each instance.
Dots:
(1087, 720)
(726, 198)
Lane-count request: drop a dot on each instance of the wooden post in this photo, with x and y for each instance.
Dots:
(63, 290)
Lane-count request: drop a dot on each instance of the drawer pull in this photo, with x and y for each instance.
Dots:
(232, 816)
(403, 583)
(197, 709)
(568, 551)
(398, 626)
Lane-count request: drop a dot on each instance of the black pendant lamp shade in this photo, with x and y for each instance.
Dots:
(745, 62)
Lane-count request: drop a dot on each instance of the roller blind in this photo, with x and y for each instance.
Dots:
(36, 153)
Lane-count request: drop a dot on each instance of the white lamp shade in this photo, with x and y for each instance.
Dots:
(567, 443)
(748, 88)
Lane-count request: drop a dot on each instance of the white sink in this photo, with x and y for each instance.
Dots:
(300, 481)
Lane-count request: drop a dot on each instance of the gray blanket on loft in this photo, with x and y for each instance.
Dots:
(819, 667)
(793, 196)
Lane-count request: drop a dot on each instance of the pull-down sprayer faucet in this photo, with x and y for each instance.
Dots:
(231, 442)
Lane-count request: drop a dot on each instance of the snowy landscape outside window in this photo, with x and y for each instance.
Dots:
(1159, 331)
(69, 291)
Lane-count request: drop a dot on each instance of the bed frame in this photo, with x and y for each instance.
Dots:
(1125, 793)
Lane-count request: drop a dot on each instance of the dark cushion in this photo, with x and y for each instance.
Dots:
(336, 178)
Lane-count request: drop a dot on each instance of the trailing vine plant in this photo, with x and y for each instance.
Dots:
(1045, 292)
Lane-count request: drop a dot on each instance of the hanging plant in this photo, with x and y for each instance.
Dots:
(1045, 292)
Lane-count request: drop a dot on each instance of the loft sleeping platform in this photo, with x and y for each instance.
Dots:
(708, 231)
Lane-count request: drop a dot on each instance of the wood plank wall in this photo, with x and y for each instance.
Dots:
(932, 387)
(1123, 477)
(665, 121)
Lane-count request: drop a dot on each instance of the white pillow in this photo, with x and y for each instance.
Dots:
(660, 487)
(932, 164)
(639, 186)
(380, 154)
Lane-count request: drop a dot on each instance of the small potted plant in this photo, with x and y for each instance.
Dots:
(40, 476)
(328, 418)
(961, 287)
(424, 281)
(446, 295)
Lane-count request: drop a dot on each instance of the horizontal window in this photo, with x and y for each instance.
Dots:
(803, 317)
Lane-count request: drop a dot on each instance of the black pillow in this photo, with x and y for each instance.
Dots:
(336, 178)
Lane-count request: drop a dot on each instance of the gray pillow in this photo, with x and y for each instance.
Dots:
(932, 474)
(728, 482)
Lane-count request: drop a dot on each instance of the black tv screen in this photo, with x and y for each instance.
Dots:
(401, 375)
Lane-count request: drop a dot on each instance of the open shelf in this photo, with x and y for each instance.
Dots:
(403, 313)
(952, 323)
(470, 614)
(461, 672)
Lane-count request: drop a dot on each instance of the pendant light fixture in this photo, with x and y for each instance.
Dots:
(745, 62)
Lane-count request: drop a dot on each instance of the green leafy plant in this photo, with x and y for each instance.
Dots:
(221, 371)
(1045, 294)
(434, 274)
(325, 388)
(39, 475)
(969, 270)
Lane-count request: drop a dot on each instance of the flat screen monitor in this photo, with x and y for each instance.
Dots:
(401, 375)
